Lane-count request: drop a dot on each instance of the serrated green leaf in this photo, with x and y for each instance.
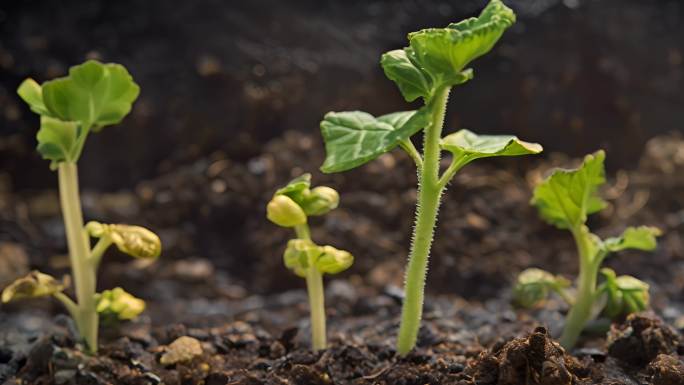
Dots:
(441, 52)
(353, 138)
(639, 238)
(94, 94)
(467, 145)
(412, 82)
(565, 198)
(56, 139)
(32, 93)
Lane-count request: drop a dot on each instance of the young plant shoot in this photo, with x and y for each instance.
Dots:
(291, 206)
(565, 199)
(433, 63)
(91, 97)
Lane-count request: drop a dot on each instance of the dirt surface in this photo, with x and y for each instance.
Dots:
(252, 320)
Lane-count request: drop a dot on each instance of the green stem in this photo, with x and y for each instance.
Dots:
(68, 303)
(581, 310)
(314, 286)
(429, 193)
(100, 247)
(79, 250)
(411, 150)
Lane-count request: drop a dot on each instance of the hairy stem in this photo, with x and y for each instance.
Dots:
(429, 193)
(314, 286)
(581, 310)
(79, 251)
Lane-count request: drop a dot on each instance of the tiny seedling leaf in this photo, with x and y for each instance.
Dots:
(56, 139)
(353, 138)
(467, 145)
(93, 94)
(624, 294)
(534, 286)
(333, 260)
(32, 93)
(412, 82)
(639, 238)
(445, 52)
(119, 304)
(33, 285)
(565, 198)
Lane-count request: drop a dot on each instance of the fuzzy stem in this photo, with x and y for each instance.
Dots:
(79, 250)
(314, 286)
(580, 313)
(429, 193)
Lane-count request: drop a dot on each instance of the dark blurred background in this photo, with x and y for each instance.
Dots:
(221, 79)
(572, 74)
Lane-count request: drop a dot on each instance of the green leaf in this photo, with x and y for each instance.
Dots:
(94, 94)
(33, 285)
(32, 93)
(639, 238)
(443, 52)
(469, 146)
(624, 294)
(534, 286)
(296, 187)
(353, 138)
(412, 82)
(565, 198)
(119, 304)
(56, 139)
(333, 260)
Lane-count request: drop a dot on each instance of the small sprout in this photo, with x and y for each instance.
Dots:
(534, 286)
(33, 285)
(565, 199)
(119, 304)
(434, 62)
(624, 294)
(92, 96)
(136, 241)
(305, 258)
(285, 212)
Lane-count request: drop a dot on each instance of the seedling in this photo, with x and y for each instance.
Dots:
(91, 97)
(433, 63)
(290, 207)
(565, 199)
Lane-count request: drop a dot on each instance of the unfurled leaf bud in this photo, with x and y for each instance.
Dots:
(119, 303)
(333, 260)
(285, 212)
(321, 200)
(136, 241)
(624, 294)
(298, 255)
(35, 284)
(534, 285)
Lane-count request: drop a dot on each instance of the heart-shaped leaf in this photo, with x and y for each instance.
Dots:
(353, 138)
(94, 94)
(566, 197)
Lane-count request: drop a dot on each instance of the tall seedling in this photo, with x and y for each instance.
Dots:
(433, 63)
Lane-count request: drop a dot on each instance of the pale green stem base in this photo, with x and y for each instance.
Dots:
(429, 194)
(82, 269)
(581, 310)
(314, 286)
